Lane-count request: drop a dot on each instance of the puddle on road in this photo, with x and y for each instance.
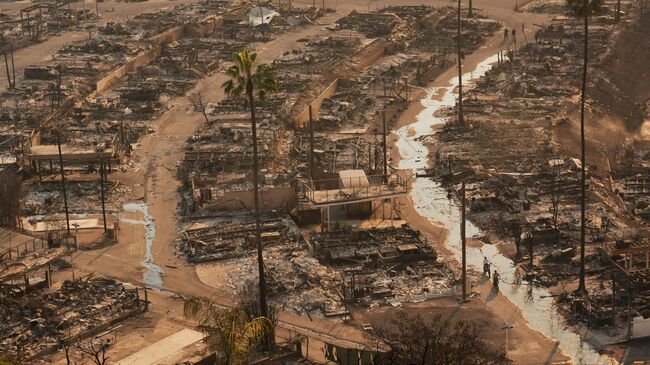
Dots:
(153, 273)
(430, 200)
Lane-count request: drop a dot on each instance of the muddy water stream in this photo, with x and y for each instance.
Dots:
(430, 200)
(152, 276)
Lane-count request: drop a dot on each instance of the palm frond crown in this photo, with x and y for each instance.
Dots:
(245, 76)
(227, 330)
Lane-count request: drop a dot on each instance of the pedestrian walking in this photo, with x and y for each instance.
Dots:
(505, 33)
(495, 281)
(486, 267)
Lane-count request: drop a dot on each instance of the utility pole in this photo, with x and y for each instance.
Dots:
(262, 19)
(72, 265)
(384, 137)
(629, 313)
(102, 176)
(311, 144)
(69, 14)
(461, 121)
(463, 242)
(58, 89)
(13, 67)
(582, 288)
(39, 25)
(4, 52)
(122, 139)
(470, 13)
(531, 251)
(507, 327)
(613, 291)
(65, 195)
(370, 156)
(375, 154)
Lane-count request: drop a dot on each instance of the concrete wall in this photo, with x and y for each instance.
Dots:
(370, 54)
(114, 76)
(170, 35)
(108, 80)
(302, 118)
(271, 198)
(142, 59)
(367, 56)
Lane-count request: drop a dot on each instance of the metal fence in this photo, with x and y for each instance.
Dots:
(37, 244)
(358, 188)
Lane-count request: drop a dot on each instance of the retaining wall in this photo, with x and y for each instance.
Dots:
(170, 35)
(369, 54)
(114, 76)
(302, 118)
(270, 198)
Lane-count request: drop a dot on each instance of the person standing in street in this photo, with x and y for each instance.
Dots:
(486, 266)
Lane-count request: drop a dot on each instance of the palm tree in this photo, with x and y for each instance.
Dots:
(246, 78)
(229, 331)
(584, 9)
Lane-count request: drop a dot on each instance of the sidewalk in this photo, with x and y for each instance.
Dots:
(164, 349)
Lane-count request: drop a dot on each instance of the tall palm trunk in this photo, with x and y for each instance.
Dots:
(256, 199)
(461, 119)
(581, 286)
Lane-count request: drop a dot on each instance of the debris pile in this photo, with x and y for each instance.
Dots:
(522, 174)
(35, 324)
(231, 240)
(97, 96)
(338, 93)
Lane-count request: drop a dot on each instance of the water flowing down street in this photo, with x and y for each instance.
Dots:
(153, 274)
(431, 201)
(238, 181)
